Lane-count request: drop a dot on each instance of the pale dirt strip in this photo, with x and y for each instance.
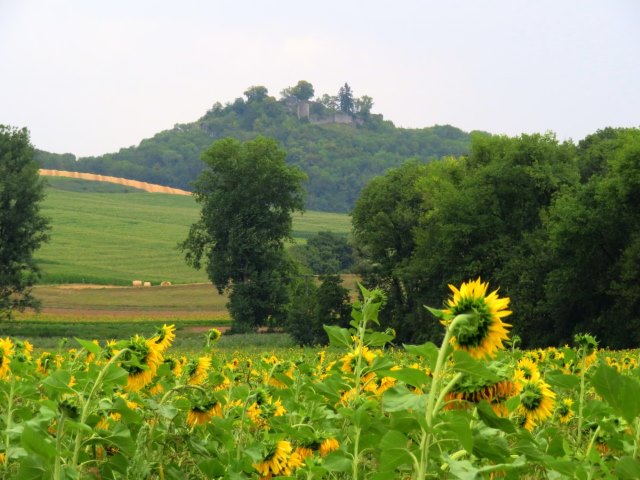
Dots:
(148, 187)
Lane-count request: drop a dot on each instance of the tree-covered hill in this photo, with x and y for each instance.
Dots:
(335, 140)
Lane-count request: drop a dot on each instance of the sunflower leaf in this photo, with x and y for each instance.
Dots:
(466, 364)
(89, 346)
(436, 312)
(339, 337)
(619, 391)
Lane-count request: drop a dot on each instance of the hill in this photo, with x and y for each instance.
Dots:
(110, 234)
(338, 151)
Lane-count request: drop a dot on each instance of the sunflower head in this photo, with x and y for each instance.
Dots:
(141, 362)
(565, 410)
(164, 337)
(536, 402)
(478, 329)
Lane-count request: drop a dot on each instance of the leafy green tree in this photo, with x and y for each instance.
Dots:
(256, 93)
(384, 220)
(314, 306)
(22, 227)
(248, 195)
(594, 234)
(422, 227)
(486, 220)
(303, 91)
(325, 253)
(363, 105)
(345, 97)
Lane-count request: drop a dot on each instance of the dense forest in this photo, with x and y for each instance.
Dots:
(334, 139)
(555, 225)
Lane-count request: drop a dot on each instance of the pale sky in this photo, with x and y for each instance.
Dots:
(90, 77)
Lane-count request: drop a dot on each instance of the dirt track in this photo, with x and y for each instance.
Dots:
(148, 187)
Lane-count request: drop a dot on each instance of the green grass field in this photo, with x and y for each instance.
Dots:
(111, 235)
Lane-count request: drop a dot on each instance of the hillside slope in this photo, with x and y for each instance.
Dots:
(108, 236)
(339, 153)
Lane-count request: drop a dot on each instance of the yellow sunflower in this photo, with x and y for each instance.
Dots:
(528, 368)
(45, 362)
(6, 352)
(141, 362)
(164, 337)
(536, 402)
(480, 334)
(565, 410)
(277, 461)
(328, 445)
(198, 370)
(201, 414)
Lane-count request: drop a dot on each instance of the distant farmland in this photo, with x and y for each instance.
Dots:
(110, 234)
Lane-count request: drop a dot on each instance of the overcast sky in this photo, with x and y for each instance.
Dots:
(89, 77)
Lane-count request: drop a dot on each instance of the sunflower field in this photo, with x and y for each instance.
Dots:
(474, 407)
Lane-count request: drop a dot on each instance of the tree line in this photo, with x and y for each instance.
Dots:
(555, 225)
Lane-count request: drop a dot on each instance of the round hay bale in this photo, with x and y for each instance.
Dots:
(165, 284)
(147, 284)
(136, 283)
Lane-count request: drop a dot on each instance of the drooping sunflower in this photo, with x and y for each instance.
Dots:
(328, 445)
(141, 361)
(480, 334)
(277, 461)
(536, 402)
(45, 362)
(470, 390)
(164, 337)
(6, 352)
(201, 414)
(23, 349)
(198, 370)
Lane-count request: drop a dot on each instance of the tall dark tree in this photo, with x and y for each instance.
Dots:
(314, 306)
(594, 234)
(345, 97)
(22, 227)
(248, 195)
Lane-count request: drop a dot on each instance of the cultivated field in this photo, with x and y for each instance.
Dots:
(111, 235)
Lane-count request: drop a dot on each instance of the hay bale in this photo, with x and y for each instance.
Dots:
(165, 284)
(136, 283)
(147, 284)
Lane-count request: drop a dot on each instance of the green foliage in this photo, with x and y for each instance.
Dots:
(338, 159)
(594, 232)
(303, 91)
(22, 227)
(325, 253)
(313, 306)
(345, 97)
(247, 195)
(557, 226)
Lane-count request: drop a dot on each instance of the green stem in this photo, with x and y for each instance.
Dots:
(581, 399)
(446, 390)
(87, 404)
(9, 420)
(356, 455)
(593, 439)
(425, 441)
(59, 431)
(636, 443)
